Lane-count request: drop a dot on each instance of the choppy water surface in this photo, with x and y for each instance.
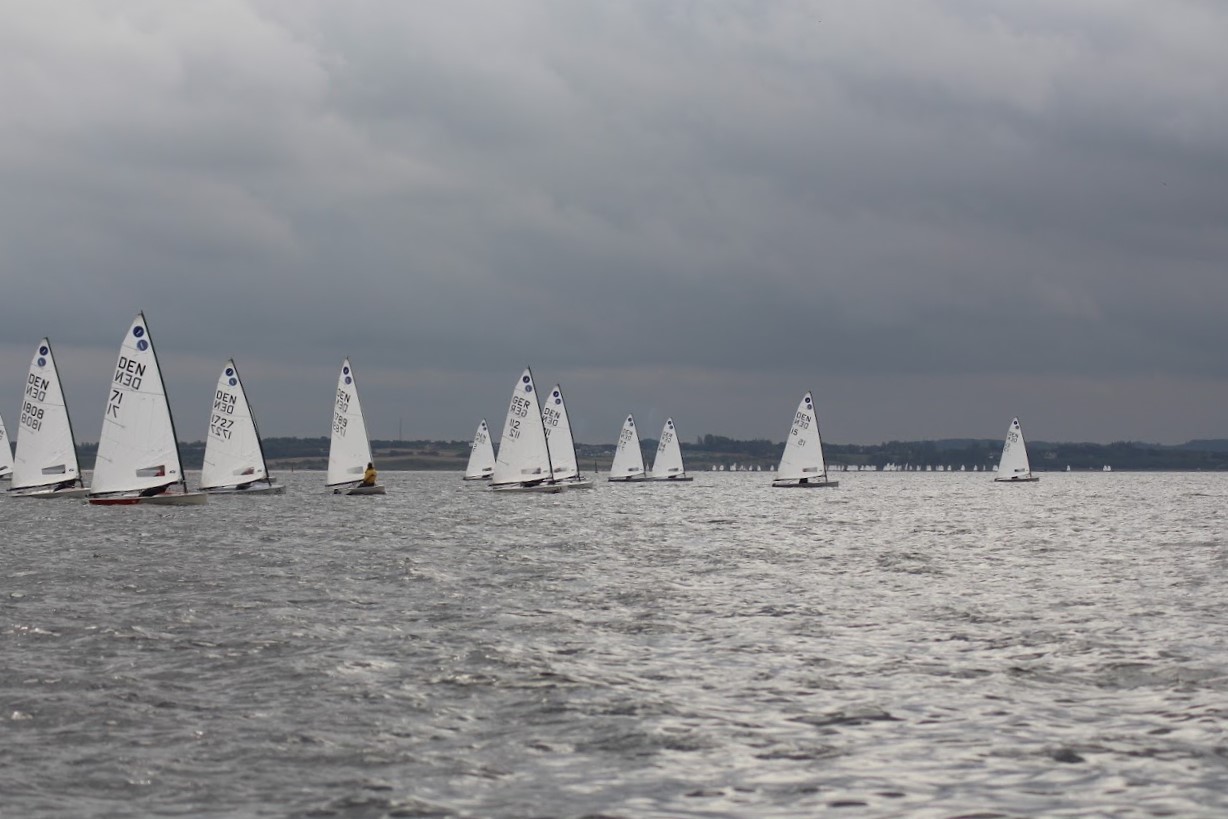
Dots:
(905, 645)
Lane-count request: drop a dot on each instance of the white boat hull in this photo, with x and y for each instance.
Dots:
(46, 494)
(672, 479)
(165, 499)
(1028, 479)
(377, 489)
(630, 479)
(796, 484)
(540, 488)
(576, 483)
(476, 478)
(254, 489)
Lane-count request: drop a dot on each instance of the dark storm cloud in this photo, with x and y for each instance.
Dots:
(951, 211)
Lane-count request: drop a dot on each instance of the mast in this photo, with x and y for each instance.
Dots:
(818, 432)
(183, 478)
(264, 464)
(538, 409)
(72, 436)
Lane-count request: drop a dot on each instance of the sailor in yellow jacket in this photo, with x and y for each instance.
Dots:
(368, 477)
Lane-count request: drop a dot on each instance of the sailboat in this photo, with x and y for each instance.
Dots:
(234, 456)
(138, 452)
(628, 464)
(1013, 466)
(667, 466)
(523, 464)
(564, 464)
(481, 455)
(46, 464)
(6, 454)
(349, 450)
(801, 464)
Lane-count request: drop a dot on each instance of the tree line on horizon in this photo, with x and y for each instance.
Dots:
(709, 450)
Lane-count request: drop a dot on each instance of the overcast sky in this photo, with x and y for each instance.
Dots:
(936, 215)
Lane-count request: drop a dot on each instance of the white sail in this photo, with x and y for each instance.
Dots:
(349, 450)
(481, 455)
(524, 456)
(628, 461)
(6, 452)
(137, 448)
(46, 452)
(233, 453)
(802, 461)
(558, 436)
(668, 463)
(1013, 465)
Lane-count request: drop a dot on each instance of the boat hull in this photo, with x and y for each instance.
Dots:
(794, 484)
(1029, 479)
(539, 488)
(47, 494)
(578, 483)
(377, 489)
(672, 479)
(255, 489)
(476, 478)
(165, 499)
(630, 479)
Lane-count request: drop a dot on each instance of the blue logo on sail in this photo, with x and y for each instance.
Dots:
(349, 380)
(142, 345)
(42, 362)
(234, 381)
(138, 331)
(43, 350)
(229, 371)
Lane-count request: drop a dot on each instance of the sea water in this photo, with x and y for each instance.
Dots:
(904, 645)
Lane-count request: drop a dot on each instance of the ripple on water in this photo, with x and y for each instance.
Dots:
(904, 645)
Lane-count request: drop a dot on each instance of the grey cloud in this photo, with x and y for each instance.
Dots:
(661, 202)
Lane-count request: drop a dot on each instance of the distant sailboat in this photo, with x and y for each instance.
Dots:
(801, 464)
(667, 466)
(138, 451)
(559, 440)
(1107, 468)
(6, 454)
(234, 454)
(1013, 466)
(349, 450)
(628, 464)
(46, 464)
(523, 464)
(481, 455)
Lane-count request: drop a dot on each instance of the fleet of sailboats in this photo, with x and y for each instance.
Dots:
(523, 464)
(481, 455)
(46, 462)
(667, 466)
(801, 464)
(138, 452)
(349, 450)
(234, 454)
(1013, 466)
(138, 459)
(628, 464)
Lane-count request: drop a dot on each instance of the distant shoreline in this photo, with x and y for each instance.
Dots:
(713, 450)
